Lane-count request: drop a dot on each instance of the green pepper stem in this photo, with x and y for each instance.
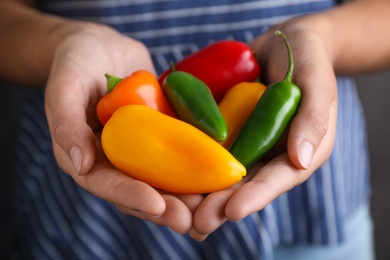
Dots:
(290, 56)
(112, 81)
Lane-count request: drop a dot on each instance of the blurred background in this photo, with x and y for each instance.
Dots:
(374, 91)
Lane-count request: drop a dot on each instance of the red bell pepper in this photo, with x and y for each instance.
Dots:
(220, 65)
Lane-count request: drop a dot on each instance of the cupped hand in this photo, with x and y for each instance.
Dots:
(311, 135)
(75, 84)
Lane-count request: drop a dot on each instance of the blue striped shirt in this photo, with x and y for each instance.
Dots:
(56, 219)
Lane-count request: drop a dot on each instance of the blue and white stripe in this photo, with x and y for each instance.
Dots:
(56, 219)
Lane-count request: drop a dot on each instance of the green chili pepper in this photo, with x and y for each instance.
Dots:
(269, 119)
(193, 101)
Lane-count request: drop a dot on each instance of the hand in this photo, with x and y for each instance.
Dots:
(310, 138)
(75, 85)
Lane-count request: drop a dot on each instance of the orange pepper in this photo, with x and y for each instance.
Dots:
(236, 106)
(167, 153)
(139, 88)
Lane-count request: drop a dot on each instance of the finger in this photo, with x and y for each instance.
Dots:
(111, 185)
(74, 140)
(108, 183)
(275, 178)
(66, 110)
(176, 215)
(196, 236)
(210, 214)
(311, 123)
(270, 181)
(314, 75)
(192, 201)
(179, 211)
(137, 198)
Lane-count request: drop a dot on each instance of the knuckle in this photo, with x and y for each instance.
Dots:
(58, 130)
(318, 124)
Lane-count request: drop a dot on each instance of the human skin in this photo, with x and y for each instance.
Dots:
(324, 45)
(71, 62)
(73, 57)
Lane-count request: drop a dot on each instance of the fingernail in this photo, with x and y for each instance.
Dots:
(305, 154)
(76, 155)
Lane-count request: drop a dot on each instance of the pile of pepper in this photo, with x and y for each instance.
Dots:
(192, 131)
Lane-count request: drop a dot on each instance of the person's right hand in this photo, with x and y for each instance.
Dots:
(75, 85)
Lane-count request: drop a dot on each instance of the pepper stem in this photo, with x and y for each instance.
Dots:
(112, 81)
(173, 66)
(290, 56)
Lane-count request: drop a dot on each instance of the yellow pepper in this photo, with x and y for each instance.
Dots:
(167, 153)
(236, 106)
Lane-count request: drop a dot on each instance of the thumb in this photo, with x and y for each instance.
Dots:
(73, 139)
(73, 144)
(314, 124)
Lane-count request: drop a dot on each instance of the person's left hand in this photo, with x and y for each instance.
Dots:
(311, 134)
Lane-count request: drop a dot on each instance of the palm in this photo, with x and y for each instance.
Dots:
(312, 128)
(75, 85)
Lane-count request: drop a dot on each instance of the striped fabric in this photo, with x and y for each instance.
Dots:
(56, 219)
